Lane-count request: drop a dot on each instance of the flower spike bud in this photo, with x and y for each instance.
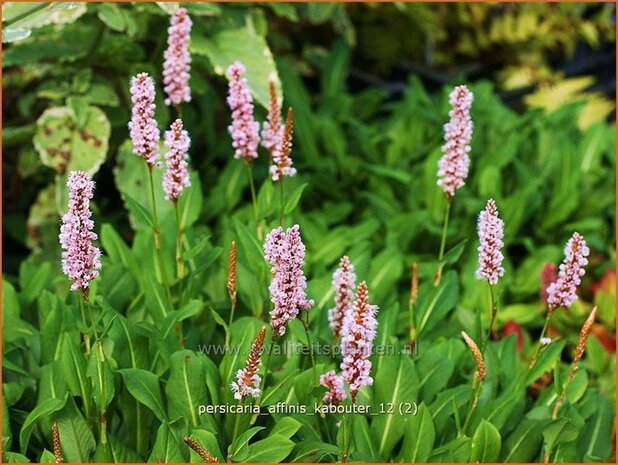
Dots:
(244, 129)
(200, 450)
(281, 155)
(81, 260)
(247, 380)
(143, 127)
(176, 177)
(491, 232)
(562, 292)
(359, 331)
(455, 162)
(344, 282)
(272, 129)
(177, 64)
(334, 382)
(56, 443)
(478, 356)
(285, 252)
(581, 342)
(231, 274)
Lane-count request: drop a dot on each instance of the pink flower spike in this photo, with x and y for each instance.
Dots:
(562, 292)
(177, 64)
(454, 164)
(176, 177)
(491, 232)
(272, 129)
(344, 282)
(143, 127)
(244, 129)
(81, 260)
(282, 162)
(358, 333)
(334, 382)
(286, 254)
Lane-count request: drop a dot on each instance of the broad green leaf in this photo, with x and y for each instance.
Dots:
(293, 199)
(239, 448)
(144, 386)
(42, 410)
(419, 436)
(313, 452)
(595, 443)
(77, 439)
(185, 387)
(168, 444)
(102, 377)
(486, 443)
(524, 443)
(546, 360)
(275, 448)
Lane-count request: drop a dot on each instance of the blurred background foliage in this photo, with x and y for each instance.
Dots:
(369, 85)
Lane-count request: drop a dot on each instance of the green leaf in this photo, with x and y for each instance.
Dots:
(43, 410)
(65, 146)
(144, 386)
(102, 377)
(141, 214)
(185, 387)
(395, 384)
(239, 448)
(419, 437)
(548, 357)
(274, 448)
(313, 452)
(244, 45)
(111, 15)
(286, 426)
(74, 367)
(167, 447)
(453, 254)
(362, 438)
(75, 435)
(486, 443)
(292, 201)
(523, 444)
(438, 302)
(595, 442)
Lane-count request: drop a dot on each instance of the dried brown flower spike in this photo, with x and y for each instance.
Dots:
(56, 443)
(581, 343)
(247, 380)
(199, 450)
(478, 357)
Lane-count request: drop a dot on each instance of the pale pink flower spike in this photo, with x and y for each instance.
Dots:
(176, 177)
(177, 63)
(244, 129)
(336, 392)
(455, 162)
(81, 260)
(143, 127)
(562, 292)
(491, 232)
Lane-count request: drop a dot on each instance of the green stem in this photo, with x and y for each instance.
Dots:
(445, 228)
(281, 201)
(229, 325)
(313, 364)
(103, 414)
(550, 313)
(347, 437)
(180, 263)
(476, 389)
(235, 430)
(25, 14)
(157, 236)
(447, 213)
(494, 312)
(253, 196)
(83, 312)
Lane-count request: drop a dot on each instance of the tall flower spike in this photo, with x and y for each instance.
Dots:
(358, 333)
(344, 282)
(562, 292)
(334, 382)
(244, 129)
(81, 260)
(231, 274)
(491, 232)
(177, 64)
(454, 164)
(478, 356)
(281, 155)
(200, 450)
(247, 380)
(176, 177)
(285, 252)
(143, 127)
(272, 129)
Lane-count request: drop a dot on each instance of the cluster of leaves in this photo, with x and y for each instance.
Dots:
(366, 188)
